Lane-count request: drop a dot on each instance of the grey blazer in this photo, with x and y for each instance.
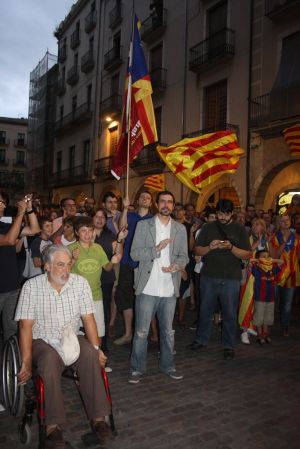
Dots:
(143, 251)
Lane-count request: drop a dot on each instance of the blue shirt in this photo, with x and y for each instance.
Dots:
(132, 219)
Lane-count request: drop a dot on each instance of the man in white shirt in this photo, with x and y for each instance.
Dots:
(160, 247)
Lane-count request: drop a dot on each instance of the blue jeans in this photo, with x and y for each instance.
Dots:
(146, 307)
(227, 290)
(285, 304)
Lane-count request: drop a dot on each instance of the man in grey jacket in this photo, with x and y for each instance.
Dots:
(160, 247)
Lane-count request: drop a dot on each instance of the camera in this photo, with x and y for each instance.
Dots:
(28, 198)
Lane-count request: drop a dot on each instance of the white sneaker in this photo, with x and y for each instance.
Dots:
(2, 408)
(108, 369)
(245, 338)
(252, 332)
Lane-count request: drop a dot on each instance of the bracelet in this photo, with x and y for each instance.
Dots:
(29, 212)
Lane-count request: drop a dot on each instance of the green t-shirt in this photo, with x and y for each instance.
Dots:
(89, 265)
(221, 263)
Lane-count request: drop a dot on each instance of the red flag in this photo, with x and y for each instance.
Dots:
(138, 115)
(292, 138)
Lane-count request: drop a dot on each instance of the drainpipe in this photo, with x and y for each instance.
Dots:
(248, 156)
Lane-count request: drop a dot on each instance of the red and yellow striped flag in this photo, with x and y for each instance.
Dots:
(292, 139)
(155, 182)
(199, 161)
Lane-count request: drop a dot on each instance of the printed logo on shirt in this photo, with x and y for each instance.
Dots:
(88, 266)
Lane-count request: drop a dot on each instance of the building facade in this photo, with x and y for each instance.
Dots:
(213, 64)
(13, 155)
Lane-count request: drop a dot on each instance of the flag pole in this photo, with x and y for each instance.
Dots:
(128, 106)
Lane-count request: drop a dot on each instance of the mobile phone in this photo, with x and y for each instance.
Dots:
(222, 241)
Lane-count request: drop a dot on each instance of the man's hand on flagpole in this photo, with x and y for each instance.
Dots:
(126, 202)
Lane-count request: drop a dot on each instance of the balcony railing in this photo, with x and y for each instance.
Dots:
(275, 106)
(74, 175)
(78, 115)
(113, 58)
(73, 75)
(154, 26)
(278, 9)
(115, 16)
(75, 39)
(20, 143)
(4, 141)
(158, 79)
(222, 126)
(148, 161)
(90, 21)
(19, 163)
(62, 53)
(87, 62)
(218, 47)
(4, 162)
(61, 87)
(111, 105)
(103, 167)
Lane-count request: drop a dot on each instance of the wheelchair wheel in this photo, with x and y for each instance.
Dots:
(24, 433)
(13, 393)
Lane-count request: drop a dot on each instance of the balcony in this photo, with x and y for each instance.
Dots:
(103, 167)
(77, 116)
(216, 48)
(61, 87)
(113, 58)
(11, 180)
(148, 161)
(158, 79)
(281, 9)
(87, 62)
(90, 21)
(276, 106)
(115, 16)
(75, 39)
(62, 53)
(154, 26)
(4, 141)
(4, 162)
(73, 75)
(71, 176)
(20, 143)
(111, 105)
(222, 126)
(19, 163)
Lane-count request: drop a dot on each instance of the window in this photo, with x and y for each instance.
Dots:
(20, 159)
(4, 178)
(61, 112)
(74, 105)
(75, 59)
(156, 55)
(21, 139)
(93, 6)
(89, 96)
(86, 157)
(216, 19)
(157, 112)
(117, 44)
(114, 85)
(91, 45)
(72, 158)
(58, 161)
(2, 137)
(113, 139)
(2, 156)
(215, 106)
(63, 75)
(19, 179)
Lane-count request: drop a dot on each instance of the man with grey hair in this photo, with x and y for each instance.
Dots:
(48, 305)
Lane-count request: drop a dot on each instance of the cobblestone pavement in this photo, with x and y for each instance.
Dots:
(251, 402)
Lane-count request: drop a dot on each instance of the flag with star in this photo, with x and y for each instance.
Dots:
(200, 161)
(155, 182)
(292, 139)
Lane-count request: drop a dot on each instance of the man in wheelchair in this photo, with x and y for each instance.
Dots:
(49, 311)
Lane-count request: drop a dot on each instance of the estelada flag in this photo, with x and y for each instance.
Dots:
(155, 182)
(292, 138)
(199, 161)
(138, 118)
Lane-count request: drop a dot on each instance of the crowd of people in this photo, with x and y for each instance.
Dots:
(80, 265)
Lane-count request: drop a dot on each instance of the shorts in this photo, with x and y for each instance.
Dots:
(263, 313)
(125, 296)
(99, 317)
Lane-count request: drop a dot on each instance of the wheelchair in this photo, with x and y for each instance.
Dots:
(32, 394)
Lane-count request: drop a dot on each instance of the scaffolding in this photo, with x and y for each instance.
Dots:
(41, 115)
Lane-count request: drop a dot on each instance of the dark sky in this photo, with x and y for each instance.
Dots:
(26, 33)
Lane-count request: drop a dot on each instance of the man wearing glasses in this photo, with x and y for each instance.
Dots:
(222, 245)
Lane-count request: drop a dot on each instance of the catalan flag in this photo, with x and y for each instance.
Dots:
(292, 138)
(155, 182)
(199, 161)
(138, 118)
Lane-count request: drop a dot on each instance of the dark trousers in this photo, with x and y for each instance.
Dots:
(49, 366)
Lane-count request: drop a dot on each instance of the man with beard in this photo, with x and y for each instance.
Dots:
(222, 245)
(160, 247)
(48, 304)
